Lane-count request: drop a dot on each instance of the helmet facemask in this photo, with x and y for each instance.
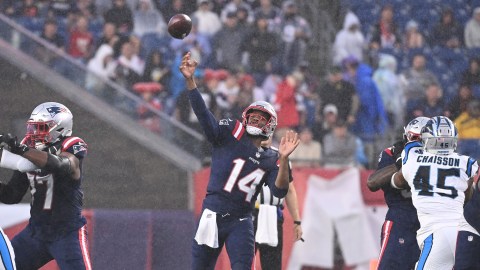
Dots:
(264, 121)
(257, 122)
(440, 136)
(40, 134)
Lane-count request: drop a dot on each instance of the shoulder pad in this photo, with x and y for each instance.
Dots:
(75, 146)
(388, 151)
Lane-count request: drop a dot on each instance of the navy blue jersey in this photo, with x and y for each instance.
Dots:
(238, 168)
(57, 199)
(472, 209)
(399, 202)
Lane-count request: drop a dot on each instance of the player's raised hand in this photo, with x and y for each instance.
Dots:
(288, 143)
(188, 66)
(13, 144)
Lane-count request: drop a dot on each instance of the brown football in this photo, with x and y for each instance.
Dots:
(179, 26)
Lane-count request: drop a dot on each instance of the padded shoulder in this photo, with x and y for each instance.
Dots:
(75, 146)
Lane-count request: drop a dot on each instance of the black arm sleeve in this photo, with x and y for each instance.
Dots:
(14, 191)
(58, 164)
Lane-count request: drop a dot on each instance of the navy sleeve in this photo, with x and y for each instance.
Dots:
(205, 117)
(270, 181)
(386, 159)
(14, 191)
(472, 210)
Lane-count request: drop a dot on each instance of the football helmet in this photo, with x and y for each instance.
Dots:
(413, 130)
(439, 136)
(270, 123)
(48, 123)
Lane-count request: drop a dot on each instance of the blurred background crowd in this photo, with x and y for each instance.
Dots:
(390, 61)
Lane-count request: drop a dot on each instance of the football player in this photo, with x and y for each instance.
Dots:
(49, 162)
(240, 166)
(439, 179)
(468, 243)
(399, 248)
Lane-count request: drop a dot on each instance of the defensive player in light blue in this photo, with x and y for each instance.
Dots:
(240, 166)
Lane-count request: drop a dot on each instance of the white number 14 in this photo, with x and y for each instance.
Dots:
(248, 183)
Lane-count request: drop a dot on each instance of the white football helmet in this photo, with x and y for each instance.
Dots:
(270, 125)
(413, 130)
(439, 136)
(48, 123)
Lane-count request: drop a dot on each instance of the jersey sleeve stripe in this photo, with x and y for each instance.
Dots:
(409, 146)
(469, 166)
(69, 142)
(238, 131)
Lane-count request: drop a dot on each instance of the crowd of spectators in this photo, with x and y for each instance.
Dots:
(379, 78)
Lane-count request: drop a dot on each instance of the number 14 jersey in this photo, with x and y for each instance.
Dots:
(438, 184)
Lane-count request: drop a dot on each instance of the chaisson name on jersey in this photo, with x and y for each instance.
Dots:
(439, 160)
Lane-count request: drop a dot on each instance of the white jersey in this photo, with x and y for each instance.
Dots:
(438, 184)
(7, 256)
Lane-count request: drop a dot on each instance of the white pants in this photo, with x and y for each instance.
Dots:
(438, 250)
(6, 253)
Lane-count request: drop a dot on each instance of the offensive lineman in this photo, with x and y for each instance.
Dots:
(439, 179)
(49, 162)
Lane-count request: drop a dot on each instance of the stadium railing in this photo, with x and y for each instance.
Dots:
(110, 92)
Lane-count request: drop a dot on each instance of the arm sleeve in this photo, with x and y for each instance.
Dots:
(15, 162)
(205, 117)
(271, 178)
(14, 191)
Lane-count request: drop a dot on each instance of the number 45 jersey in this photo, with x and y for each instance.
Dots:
(438, 184)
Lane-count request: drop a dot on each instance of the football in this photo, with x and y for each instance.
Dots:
(179, 26)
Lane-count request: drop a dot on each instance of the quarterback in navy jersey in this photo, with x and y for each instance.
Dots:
(399, 247)
(49, 162)
(240, 166)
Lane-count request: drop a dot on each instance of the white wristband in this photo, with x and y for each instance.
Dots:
(392, 182)
(15, 162)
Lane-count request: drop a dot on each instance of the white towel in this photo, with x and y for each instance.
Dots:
(267, 225)
(207, 232)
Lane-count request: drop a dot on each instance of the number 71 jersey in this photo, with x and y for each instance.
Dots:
(438, 184)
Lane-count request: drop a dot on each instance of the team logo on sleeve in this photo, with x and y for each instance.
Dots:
(225, 122)
(55, 110)
(79, 148)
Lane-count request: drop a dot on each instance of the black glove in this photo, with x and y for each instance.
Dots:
(397, 153)
(13, 144)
